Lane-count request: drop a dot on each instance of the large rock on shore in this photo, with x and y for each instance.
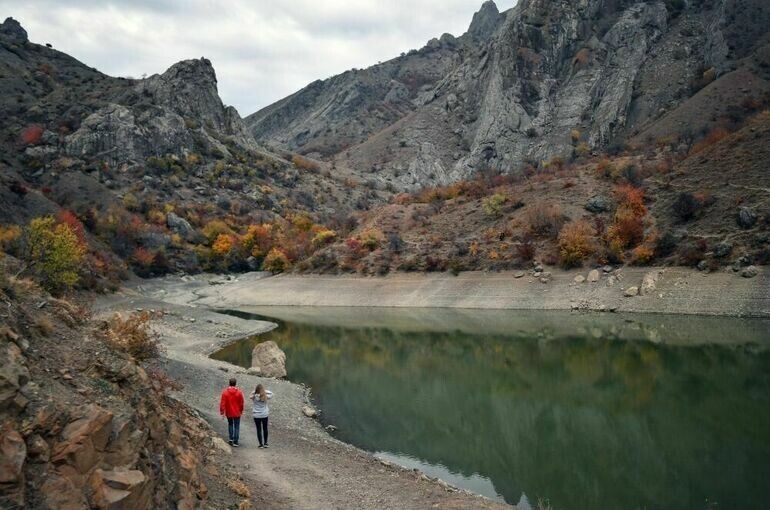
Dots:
(270, 359)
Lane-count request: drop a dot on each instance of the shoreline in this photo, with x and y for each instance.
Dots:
(305, 467)
(664, 290)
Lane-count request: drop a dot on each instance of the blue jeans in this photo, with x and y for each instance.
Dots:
(233, 428)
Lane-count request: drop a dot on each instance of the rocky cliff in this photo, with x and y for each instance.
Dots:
(524, 85)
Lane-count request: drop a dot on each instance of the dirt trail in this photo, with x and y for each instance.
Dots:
(304, 467)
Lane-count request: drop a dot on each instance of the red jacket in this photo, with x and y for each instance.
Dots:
(231, 403)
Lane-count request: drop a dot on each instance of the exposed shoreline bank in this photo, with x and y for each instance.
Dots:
(305, 467)
(658, 290)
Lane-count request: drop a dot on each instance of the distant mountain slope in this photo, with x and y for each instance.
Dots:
(526, 84)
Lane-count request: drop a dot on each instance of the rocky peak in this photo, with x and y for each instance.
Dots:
(485, 21)
(188, 87)
(12, 30)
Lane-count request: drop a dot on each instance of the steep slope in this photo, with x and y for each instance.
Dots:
(145, 165)
(527, 84)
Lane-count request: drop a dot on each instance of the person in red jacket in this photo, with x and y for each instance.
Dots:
(231, 407)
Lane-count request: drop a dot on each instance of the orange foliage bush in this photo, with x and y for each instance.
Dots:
(713, 136)
(223, 245)
(304, 163)
(576, 243)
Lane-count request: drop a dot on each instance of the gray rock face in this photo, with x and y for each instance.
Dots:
(163, 114)
(270, 359)
(180, 226)
(746, 217)
(13, 31)
(598, 204)
(507, 91)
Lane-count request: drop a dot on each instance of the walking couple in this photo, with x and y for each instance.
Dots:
(231, 407)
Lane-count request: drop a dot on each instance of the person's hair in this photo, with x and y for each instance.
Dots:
(260, 390)
(232, 381)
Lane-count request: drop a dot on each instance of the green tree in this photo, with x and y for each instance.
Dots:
(54, 252)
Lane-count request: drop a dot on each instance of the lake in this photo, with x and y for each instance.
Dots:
(579, 410)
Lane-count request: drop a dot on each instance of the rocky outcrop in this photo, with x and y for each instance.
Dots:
(269, 359)
(523, 85)
(99, 435)
(12, 30)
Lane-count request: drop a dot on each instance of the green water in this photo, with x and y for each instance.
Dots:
(585, 411)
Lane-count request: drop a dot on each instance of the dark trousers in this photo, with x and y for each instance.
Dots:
(261, 424)
(233, 428)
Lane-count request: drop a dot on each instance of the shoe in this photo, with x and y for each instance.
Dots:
(230, 442)
(266, 446)
(261, 446)
(235, 445)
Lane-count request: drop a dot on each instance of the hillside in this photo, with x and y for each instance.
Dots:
(151, 171)
(708, 206)
(528, 84)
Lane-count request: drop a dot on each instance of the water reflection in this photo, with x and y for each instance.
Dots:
(552, 405)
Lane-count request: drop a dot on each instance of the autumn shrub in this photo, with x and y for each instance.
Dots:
(323, 237)
(276, 261)
(304, 163)
(214, 228)
(686, 206)
(544, 218)
(223, 245)
(525, 250)
(642, 255)
(576, 243)
(9, 238)
(133, 335)
(258, 239)
(68, 218)
(54, 253)
(32, 135)
(711, 138)
(493, 205)
(371, 238)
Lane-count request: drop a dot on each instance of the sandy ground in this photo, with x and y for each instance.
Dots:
(677, 291)
(304, 467)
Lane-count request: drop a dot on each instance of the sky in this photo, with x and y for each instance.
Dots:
(262, 50)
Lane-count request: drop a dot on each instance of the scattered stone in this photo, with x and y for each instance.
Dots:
(612, 280)
(747, 218)
(519, 274)
(254, 371)
(309, 412)
(38, 450)
(270, 359)
(649, 282)
(221, 445)
(607, 269)
(538, 268)
(750, 272)
(579, 278)
(703, 265)
(598, 204)
(631, 292)
(330, 428)
(723, 249)
(593, 276)
(224, 369)
(181, 226)
(13, 451)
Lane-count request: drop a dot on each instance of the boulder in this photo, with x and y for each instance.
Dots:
(593, 276)
(13, 452)
(723, 249)
(119, 490)
(13, 372)
(598, 204)
(84, 440)
(750, 272)
(649, 283)
(580, 278)
(181, 226)
(747, 218)
(631, 292)
(309, 412)
(270, 359)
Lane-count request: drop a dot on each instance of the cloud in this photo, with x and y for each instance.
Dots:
(262, 50)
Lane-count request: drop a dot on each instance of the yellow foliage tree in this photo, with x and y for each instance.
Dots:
(276, 261)
(576, 242)
(54, 252)
(223, 245)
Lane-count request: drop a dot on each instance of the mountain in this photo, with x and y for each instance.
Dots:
(141, 161)
(528, 84)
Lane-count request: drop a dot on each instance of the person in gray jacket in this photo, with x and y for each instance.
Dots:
(261, 412)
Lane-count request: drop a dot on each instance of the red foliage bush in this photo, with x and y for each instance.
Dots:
(31, 135)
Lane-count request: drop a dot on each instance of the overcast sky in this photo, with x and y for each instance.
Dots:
(262, 50)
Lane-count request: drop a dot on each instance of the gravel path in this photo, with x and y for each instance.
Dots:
(304, 467)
